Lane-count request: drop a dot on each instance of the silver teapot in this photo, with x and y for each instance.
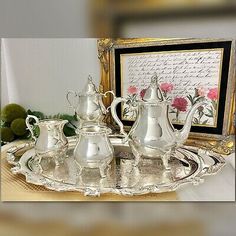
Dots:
(51, 143)
(152, 134)
(88, 104)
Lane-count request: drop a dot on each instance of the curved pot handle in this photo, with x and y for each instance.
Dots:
(31, 127)
(75, 94)
(114, 104)
(105, 95)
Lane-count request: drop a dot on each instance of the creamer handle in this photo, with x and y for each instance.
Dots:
(31, 127)
(114, 104)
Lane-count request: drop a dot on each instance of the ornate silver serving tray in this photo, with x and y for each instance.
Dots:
(188, 166)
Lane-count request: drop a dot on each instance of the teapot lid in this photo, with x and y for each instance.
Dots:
(89, 88)
(153, 93)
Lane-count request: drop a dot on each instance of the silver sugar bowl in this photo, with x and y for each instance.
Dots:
(93, 148)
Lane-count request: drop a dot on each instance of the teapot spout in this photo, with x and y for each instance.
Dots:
(184, 132)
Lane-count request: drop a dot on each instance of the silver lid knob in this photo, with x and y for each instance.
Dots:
(90, 87)
(153, 92)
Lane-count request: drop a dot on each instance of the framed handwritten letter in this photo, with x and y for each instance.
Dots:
(188, 71)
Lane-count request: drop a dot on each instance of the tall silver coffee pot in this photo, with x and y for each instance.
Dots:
(152, 134)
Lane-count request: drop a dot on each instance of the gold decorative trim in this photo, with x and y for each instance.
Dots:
(104, 46)
(224, 146)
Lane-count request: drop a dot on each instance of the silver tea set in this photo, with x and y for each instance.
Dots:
(151, 136)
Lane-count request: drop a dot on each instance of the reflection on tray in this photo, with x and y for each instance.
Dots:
(122, 177)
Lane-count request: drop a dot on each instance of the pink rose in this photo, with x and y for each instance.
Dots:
(142, 93)
(132, 90)
(180, 103)
(213, 94)
(166, 87)
(201, 92)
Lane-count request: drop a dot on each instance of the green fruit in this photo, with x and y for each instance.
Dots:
(68, 131)
(6, 134)
(18, 127)
(13, 111)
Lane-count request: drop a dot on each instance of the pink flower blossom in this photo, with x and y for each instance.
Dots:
(142, 93)
(213, 94)
(166, 87)
(132, 90)
(201, 91)
(180, 103)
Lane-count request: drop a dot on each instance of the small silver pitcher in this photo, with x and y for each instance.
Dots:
(51, 143)
(93, 148)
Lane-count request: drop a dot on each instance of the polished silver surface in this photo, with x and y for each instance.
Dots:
(51, 141)
(93, 148)
(88, 104)
(188, 166)
(152, 133)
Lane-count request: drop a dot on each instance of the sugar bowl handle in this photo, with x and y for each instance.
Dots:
(114, 104)
(68, 98)
(31, 127)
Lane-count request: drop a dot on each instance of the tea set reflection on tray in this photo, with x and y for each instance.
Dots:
(151, 158)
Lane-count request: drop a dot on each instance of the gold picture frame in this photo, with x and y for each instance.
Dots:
(223, 143)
